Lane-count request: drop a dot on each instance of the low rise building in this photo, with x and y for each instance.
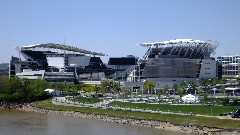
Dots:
(230, 65)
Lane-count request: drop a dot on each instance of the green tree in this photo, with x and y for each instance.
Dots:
(109, 86)
(3, 81)
(205, 96)
(148, 85)
(204, 82)
(200, 89)
(222, 90)
(216, 81)
(175, 86)
(193, 85)
(207, 81)
(22, 90)
(58, 86)
(182, 89)
(164, 91)
(89, 88)
(223, 80)
(35, 89)
(127, 91)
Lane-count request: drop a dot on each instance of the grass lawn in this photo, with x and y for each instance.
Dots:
(177, 119)
(195, 109)
(85, 100)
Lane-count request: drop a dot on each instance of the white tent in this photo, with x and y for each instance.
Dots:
(190, 98)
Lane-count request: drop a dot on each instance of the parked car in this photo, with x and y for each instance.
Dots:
(236, 114)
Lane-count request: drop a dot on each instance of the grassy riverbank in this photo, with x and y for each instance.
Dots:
(194, 109)
(177, 119)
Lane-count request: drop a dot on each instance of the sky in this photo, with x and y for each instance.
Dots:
(117, 27)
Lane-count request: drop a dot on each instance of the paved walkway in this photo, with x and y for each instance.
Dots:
(104, 105)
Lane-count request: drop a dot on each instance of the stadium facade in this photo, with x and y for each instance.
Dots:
(58, 63)
(167, 61)
(177, 60)
(122, 66)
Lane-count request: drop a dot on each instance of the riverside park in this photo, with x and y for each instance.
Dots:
(198, 114)
(212, 111)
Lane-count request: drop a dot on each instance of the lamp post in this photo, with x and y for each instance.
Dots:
(155, 90)
(134, 74)
(131, 92)
(107, 87)
(143, 87)
(195, 91)
(158, 93)
(195, 95)
(139, 74)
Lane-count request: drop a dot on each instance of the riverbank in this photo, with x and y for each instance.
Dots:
(135, 121)
(6, 105)
(162, 125)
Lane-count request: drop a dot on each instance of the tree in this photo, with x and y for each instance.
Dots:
(176, 86)
(165, 89)
(148, 85)
(200, 89)
(89, 88)
(58, 86)
(193, 85)
(223, 80)
(207, 83)
(109, 86)
(127, 91)
(183, 84)
(216, 81)
(222, 90)
(35, 89)
(205, 96)
(182, 89)
(18, 90)
(3, 81)
(204, 82)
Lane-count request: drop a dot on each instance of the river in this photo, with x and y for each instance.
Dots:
(13, 122)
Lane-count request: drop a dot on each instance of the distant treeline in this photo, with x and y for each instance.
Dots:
(4, 65)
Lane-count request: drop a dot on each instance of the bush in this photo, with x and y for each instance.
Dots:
(16, 90)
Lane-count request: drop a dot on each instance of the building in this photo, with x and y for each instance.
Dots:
(122, 66)
(57, 63)
(230, 65)
(177, 60)
(164, 63)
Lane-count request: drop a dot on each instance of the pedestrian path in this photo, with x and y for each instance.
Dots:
(105, 105)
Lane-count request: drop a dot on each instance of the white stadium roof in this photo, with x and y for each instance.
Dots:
(61, 47)
(176, 41)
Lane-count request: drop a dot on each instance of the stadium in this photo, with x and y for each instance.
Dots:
(178, 59)
(58, 62)
(167, 61)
